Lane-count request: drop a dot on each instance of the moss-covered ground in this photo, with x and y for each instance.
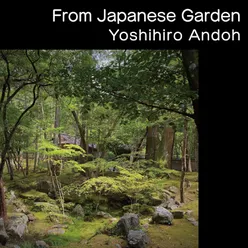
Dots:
(80, 233)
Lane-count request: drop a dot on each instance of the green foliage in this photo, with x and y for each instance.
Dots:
(153, 172)
(49, 149)
(138, 208)
(27, 244)
(126, 184)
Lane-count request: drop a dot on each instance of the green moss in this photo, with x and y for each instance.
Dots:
(180, 234)
(69, 206)
(40, 215)
(59, 218)
(37, 196)
(78, 231)
(194, 206)
(103, 240)
(45, 207)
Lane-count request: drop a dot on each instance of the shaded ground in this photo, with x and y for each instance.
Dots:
(182, 234)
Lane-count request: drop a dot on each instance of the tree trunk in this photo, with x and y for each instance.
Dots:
(27, 164)
(196, 152)
(82, 133)
(190, 62)
(184, 161)
(36, 155)
(165, 150)
(151, 142)
(189, 167)
(138, 147)
(3, 210)
(170, 137)
(57, 138)
(10, 168)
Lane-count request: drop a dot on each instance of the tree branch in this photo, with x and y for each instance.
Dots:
(151, 105)
(6, 83)
(32, 62)
(35, 97)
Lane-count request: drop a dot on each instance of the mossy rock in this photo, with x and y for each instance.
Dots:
(36, 196)
(138, 209)
(45, 207)
(155, 199)
(59, 218)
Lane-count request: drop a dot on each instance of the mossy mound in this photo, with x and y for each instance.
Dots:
(45, 207)
(36, 196)
(59, 218)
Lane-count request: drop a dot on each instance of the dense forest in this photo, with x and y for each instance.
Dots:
(99, 148)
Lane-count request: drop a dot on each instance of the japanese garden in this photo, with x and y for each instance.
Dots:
(99, 148)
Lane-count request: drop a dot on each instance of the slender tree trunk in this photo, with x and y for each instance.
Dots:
(3, 209)
(10, 168)
(138, 147)
(27, 164)
(82, 133)
(196, 152)
(170, 137)
(184, 161)
(57, 138)
(190, 62)
(189, 167)
(81, 129)
(36, 155)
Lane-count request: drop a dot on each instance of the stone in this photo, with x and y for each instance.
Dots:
(173, 189)
(31, 217)
(19, 206)
(127, 222)
(17, 224)
(193, 221)
(189, 212)
(10, 245)
(60, 226)
(172, 204)
(162, 216)
(145, 226)
(11, 197)
(137, 239)
(155, 200)
(78, 211)
(58, 218)
(3, 235)
(56, 231)
(41, 244)
(104, 214)
(167, 192)
(177, 214)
